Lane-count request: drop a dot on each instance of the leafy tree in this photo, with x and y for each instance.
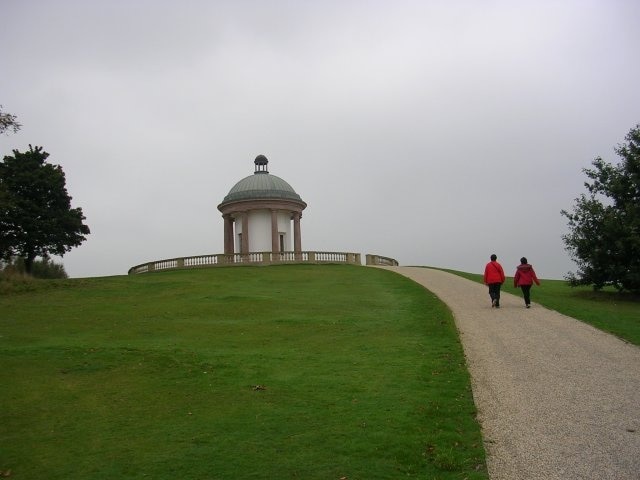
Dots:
(604, 238)
(36, 218)
(8, 121)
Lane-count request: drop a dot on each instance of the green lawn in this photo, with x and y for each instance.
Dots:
(607, 310)
(299, 371)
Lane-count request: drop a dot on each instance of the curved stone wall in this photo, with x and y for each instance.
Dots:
(258, 258)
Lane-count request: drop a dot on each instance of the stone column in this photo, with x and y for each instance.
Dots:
(297, 241)
(275, 244)
(228, 234)
(245, 233)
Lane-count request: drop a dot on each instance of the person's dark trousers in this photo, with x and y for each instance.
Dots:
(526, 291)
(494, 293)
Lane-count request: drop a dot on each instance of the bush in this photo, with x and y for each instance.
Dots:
(45, 268)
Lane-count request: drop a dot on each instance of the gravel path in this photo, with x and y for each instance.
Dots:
(556, 398)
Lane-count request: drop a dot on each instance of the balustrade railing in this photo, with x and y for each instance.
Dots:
(380, 260)
(258, 258)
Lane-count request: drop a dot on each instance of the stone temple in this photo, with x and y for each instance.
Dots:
(258, 214)
(261, 216)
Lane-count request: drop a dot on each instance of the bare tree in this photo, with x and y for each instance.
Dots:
(8, 122)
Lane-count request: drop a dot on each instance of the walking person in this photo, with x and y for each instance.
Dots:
(494, 278)
(525, 277)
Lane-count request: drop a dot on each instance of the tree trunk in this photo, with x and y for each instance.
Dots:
(28, 263)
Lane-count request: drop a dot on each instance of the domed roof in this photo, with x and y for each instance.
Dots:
(261, 185)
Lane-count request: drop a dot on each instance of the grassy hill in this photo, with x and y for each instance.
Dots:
(299, 371)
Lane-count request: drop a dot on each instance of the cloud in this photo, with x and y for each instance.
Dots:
(433, 132)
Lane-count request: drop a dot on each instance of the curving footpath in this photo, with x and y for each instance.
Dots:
(556, 398)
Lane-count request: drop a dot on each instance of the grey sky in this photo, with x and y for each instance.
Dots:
(434, 132)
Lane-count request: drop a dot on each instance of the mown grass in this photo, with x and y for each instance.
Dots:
(301, 372)
(608, 310)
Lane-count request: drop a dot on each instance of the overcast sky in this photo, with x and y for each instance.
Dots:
(434, 132)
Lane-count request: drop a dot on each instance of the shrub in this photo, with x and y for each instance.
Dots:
(45, 268)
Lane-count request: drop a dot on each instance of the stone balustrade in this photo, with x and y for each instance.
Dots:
(258, 258)
(380, 260)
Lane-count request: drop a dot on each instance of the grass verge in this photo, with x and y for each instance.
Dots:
(301, 372)
(607, 310)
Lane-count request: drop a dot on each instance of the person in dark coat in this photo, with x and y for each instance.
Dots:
(494, 278)
(525, 277)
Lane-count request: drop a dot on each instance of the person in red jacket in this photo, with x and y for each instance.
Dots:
(494, 278)
(524, 278)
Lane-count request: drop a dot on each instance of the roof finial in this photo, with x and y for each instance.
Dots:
(261, 164)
